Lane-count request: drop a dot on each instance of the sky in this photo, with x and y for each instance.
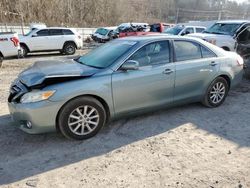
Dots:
(240, 1)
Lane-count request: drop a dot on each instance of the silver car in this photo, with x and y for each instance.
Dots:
(123, 77)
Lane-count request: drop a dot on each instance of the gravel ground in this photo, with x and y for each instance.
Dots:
(187, 146)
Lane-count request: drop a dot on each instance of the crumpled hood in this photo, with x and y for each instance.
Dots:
(209, 36)
(52, 69)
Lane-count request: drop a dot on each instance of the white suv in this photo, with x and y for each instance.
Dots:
(64, 40)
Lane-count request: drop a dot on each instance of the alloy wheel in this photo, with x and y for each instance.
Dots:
(217, 93)
(83, 120)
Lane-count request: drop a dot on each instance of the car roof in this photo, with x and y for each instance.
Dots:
(145, 38)
(234, 21)
(56, 28)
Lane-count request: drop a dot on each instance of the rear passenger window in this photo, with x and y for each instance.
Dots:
(44, 32)
(199, 30)
(206, 53)
(56, 32)
(153, 53)
(185, 50)
(67, 32)
(189, 30)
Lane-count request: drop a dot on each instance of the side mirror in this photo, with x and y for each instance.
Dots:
(34, 35)
(130, 65)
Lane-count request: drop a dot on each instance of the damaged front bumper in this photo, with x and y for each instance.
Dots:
(35, 118)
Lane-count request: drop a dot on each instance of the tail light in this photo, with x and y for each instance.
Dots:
(15, 41)
(240, 61)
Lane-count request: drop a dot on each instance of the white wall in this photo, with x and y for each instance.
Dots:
(84, 32)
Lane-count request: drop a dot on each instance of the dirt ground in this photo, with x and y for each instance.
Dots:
(187, 146)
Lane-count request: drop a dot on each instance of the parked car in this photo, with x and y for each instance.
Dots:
(123, 77)
(243, 48)
(65, 40)
(9, 45)
(182, 30)
(223, 33)
(104, 34)
(160, 27)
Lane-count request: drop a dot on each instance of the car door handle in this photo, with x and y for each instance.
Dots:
(213, 63)
(167, 71)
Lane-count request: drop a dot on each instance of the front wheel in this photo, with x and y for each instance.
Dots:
(216, 93)
(81, 118)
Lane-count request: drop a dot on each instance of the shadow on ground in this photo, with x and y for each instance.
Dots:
(31, 155)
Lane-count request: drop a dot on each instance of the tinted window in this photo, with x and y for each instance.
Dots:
(154, 53)
(206, 53)
(174, 30)
(56, 32)
(106, 54)
(199, 30)
(67, 32)
(44, 32)
(185, 50)
(244, 36)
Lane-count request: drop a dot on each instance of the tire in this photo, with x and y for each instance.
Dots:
(24, 50)
(74, 122)
(1, 60)
(69, 48)
(216, 93)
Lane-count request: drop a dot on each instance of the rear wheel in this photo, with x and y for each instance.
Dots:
(69, 48)
(81, 118)
(1, 60)
(24, 50)
(216, 93)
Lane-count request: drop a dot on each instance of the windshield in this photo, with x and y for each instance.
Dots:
(174, 30)
(107, 54)
(223, 28)
(102, 31)
(31, 31)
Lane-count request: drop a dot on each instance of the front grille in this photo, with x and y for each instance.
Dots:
(17, 90)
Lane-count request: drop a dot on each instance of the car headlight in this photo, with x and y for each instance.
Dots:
(212, 41)
(36, 96)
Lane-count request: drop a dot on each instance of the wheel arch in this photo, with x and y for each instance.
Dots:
(25, 45)
(98, 98)
(227, 78)
(226, 48)
(69, 41)
(1, 54)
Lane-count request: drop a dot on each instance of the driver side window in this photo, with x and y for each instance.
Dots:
(153, 53)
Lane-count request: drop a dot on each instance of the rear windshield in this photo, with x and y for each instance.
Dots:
(102, 31)
(174, 30)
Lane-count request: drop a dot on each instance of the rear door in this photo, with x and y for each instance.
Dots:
(196, 66)
(149, 86)
(56, 39)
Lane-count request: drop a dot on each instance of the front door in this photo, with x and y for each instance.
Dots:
(151, 85)
(39, 41)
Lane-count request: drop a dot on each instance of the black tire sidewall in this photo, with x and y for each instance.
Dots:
(1, 61)
(72, 105)
(68, 45)
(24, 51)
(208, 101)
